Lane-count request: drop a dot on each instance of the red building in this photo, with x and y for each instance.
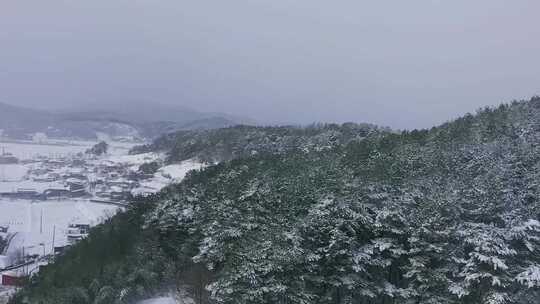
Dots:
(11, 279)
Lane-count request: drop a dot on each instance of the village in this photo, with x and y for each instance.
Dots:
(50, 201)
(80, 175)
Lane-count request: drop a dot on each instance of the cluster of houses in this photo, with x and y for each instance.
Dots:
(75, 233)
(110, 180)
(76, 177)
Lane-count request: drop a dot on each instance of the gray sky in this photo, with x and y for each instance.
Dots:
(400, 63)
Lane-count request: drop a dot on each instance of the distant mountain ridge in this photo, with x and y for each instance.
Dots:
(138, 121)
(150, 112)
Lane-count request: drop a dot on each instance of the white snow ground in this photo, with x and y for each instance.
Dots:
(167, 175)
(180, 298)
(12, 186)
(13, 172)
(34, 223)
(137, 159)
(59, 148)
(177, 172)
(167, 300)
(28, 150)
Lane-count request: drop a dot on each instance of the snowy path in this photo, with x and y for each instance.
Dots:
(159, 301)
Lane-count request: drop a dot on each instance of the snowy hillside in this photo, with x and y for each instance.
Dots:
(446, 215)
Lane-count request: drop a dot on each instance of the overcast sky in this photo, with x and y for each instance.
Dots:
(405, 64)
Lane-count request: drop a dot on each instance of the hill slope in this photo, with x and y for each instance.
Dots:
(217, 145)
(447, 215)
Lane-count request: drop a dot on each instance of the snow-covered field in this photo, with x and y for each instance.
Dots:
(167, 175)
(13, 172)
(12, 186)
(136, 159)
(58, 148)
(29, 150)
(162, 300)
(174, 298)
(35, 223)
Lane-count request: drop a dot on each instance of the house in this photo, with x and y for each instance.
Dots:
(61, 249)
(45, 179)
(56, 193)
(120, 195)
(12, 278)
(21, 193)
(77, 232)
(77, 187)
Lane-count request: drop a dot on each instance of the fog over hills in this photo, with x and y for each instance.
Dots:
(130, 120)
(139, 111)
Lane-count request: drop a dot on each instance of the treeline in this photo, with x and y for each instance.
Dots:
(217, 145)
(447, 215)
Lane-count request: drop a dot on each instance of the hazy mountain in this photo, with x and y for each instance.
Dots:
(136, 111)
(144, 112)
(134, 120)
(22, 123)
(18, 121)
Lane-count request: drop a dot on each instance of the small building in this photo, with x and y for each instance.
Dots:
(76, 187)
(76, 176)
(120, 195)
(11, 278)
(61, 249)
(45, 179)
(22, 193)
(56, 193)
(77, 232)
